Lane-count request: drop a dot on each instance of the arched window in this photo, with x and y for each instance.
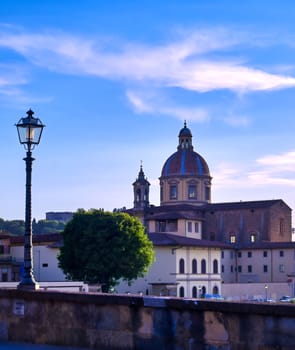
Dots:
(194, 292)
(138, 194)
(215, 266)
(192, 191)
(173, 191)
(181, 266)
(253, 237)
(215, 290)
(203, 266)
(232, 238)
(181, 292)
(194, 266)
(207, 193)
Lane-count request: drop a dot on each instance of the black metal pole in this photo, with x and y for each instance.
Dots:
(28, 280)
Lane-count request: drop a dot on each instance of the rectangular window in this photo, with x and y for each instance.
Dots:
(249, 254)
(222, 254)
(197, 227)
(1, 249)
(231, 268)
(232, 239)
(189, 226)
(240, 268)
(281, 253)
(173, 191)
(45, 265)
(162, 226)
(239, 254)
(192, 192)
(282, 268)
(252, 237)
(265, 254)
(4, 277)
(222, 268)
(250, 268)
(207, 193)
(171, 225)
(167, 225)
(265, 268)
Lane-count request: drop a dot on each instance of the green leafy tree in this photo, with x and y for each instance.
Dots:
(103, 247)
(15, 227)
(47, 226)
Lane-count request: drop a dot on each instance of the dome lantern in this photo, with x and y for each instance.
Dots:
(185, 138)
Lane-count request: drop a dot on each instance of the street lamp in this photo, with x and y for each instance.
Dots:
(29, 132)
(266, 289)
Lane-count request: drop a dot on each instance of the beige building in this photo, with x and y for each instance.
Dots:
(45, 263)
(183, 266)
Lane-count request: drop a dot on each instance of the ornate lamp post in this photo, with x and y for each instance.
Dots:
(29, 132)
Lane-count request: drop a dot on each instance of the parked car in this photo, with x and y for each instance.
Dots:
(214, 296)
(287, 299)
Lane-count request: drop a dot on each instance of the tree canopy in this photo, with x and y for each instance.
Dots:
(104, 247)
(17, 227)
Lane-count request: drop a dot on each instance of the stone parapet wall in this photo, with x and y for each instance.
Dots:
(115, 322)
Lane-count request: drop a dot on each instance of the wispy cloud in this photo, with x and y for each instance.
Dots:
(144, 104)
(285, 161)
(277, 169)
(183, 63)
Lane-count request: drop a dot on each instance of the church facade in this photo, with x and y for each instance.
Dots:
(201, 246)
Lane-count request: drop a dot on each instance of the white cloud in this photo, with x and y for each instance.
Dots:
(143, 103)
(265, 178)
(228, 175)
(276, 170)
(139, 105)
(182, 63)
(285, 160)
(237, 121)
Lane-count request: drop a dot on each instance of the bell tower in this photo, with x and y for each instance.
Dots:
(141, 189)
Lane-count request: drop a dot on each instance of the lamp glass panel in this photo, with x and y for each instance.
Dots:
(29, 134)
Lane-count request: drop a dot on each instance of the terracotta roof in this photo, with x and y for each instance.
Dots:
(184, 211)
(45, 238)
(243, 205)
(166, 239)
(153, 210)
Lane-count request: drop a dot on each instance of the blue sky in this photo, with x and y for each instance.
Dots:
(114, 81)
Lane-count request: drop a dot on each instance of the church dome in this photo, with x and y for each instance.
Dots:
(185, 162)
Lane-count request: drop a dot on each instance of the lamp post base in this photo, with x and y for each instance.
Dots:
(28, 285)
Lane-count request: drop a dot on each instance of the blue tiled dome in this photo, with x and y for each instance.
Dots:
(185, 162)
